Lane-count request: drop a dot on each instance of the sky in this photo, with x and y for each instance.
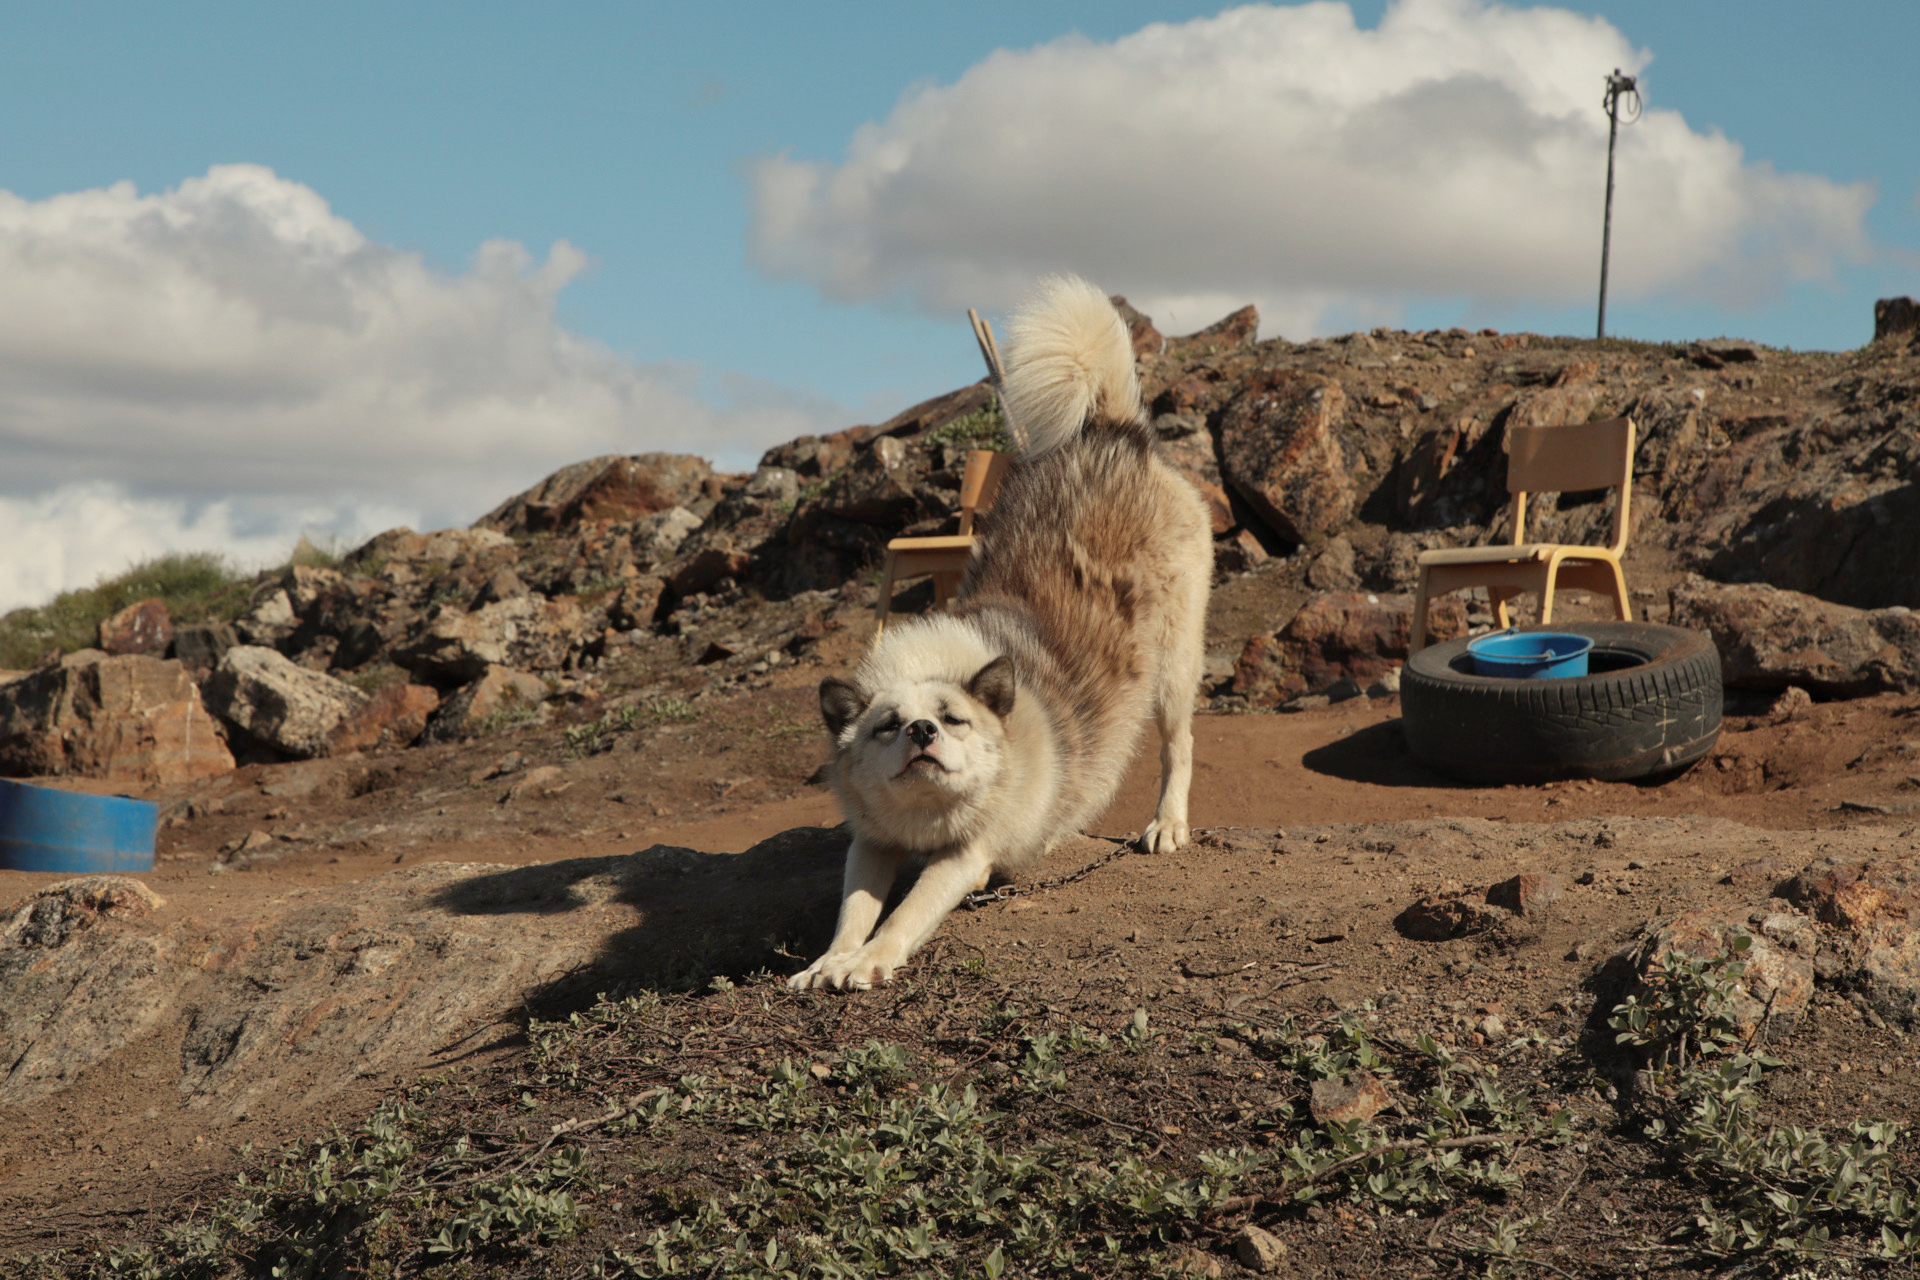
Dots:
(273, 270)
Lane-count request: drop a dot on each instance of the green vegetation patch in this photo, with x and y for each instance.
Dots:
(196, 586)
(957, 1124)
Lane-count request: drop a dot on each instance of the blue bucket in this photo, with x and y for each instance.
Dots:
(42, 829)
(1530, 655)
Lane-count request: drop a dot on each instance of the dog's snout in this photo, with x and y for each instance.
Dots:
(922, 732)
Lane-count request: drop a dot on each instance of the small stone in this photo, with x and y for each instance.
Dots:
(1259, 1250)
(1529, 894)
(1358, 1095)
(1492, 1027)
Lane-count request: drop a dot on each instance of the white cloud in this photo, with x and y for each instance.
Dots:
(83, 532)
(1287, 157)
(229, 360)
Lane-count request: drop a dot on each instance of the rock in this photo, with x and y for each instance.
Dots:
(1358, 1095)
(773, 485)
(1770, 639)
(1233, 332)
(143, 627)
(1869, 913)
(269, 621)
(1529, 894)
(1491, 1026)
(1239, 553)
(1895, 318)
(707, 568)
(1335, 636)
(605, 488)
(478, 707)
(1333, 568)
(527, 632)
(505, 584)
(199, 645)
(279, 703)
(1774, 987)
(127, 719)
(395, 716)
(1756, 873)
(1259, 1250)
(1440, 916)
(542, 783)
(637, 604)
(301, 996)
(1790, 705)
(1279, 451)
(659, 536)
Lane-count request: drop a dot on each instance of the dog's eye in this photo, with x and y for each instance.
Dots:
(950, 718)
(890, 725)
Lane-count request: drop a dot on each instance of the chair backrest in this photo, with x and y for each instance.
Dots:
(980, 483)
(1591, 455)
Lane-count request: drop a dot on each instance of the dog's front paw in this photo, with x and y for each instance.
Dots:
(850, 971)
(1164, 836)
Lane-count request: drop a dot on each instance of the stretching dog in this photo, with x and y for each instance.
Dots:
(977, 739)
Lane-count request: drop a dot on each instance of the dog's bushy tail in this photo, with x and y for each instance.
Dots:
(1069, 362)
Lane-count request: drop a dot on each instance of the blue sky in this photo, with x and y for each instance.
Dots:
(737, 264)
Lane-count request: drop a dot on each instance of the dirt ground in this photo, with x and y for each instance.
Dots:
(1314, 830)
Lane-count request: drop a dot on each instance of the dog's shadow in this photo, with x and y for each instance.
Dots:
(1377, 754)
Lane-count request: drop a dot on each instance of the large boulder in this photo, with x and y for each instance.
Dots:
(279, 703)
(1335, 636)
(128, 719)
(1769, 638)
(1280, 450)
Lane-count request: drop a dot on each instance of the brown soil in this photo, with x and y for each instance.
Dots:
(1319, 828)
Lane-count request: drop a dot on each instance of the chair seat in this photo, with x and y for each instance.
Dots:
(937, 542)
(1526, 552)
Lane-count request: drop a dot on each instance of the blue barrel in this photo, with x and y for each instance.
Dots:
(1530, 655)
(42, 829)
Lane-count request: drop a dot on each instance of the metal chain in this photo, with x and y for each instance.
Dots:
(981, 897)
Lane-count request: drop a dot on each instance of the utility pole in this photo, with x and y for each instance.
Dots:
(1618, 86)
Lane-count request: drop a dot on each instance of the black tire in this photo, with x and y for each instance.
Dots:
(1650, 705)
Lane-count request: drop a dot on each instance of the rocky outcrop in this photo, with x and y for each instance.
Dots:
(1336, 636)
(306, 993)
(607, 488)
(132, 719)
(279, 704)
(1769, 638)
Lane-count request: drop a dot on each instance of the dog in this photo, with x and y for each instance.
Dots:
(977, 739)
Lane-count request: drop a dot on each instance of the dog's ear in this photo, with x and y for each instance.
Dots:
(840, 704)
(992, 686)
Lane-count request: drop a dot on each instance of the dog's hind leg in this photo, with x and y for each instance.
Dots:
(1183, 658)
(863, 891)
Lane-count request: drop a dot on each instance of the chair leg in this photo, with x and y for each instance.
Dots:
(1546, 600)
(946, 585)
(884, 605)
(1499, 601)
(1621, 604)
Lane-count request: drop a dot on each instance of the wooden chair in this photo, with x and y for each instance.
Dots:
(1596, 455)
(944, 556)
